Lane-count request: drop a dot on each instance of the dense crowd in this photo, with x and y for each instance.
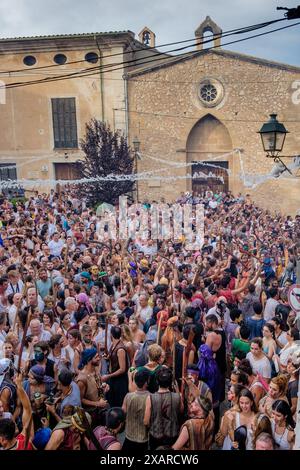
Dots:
(147, 344)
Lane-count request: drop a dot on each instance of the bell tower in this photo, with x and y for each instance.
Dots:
(208, 25)
(147, 37)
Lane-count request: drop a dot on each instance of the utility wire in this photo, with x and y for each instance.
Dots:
(97, 70)
(89, 71)
(135, 61)
(213, 35)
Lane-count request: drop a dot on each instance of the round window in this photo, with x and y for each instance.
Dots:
(210, 92)
(60, 59)
(92, 57)
(29, 60)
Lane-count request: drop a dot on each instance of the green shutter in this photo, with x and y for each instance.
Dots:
(64, 123)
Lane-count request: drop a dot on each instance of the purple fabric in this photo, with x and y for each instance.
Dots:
(132, 271)
(209, 371)
(39, 374)
(82, 298)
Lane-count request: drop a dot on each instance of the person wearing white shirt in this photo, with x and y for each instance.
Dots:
(280, 335)
(15, 285)
(58, 353)
(36, 329)
(51, 229)
(213, 204)
(56, 245)
(144, 311)
(258, 360)
(271, 304)
(12, 311)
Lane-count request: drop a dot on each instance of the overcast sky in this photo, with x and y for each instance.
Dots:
(171, 20)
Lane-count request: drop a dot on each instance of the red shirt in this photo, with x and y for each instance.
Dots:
(20, 445)
(228, 295)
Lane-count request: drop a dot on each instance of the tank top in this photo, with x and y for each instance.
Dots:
(281, 440)
(135, 429)
(68, 442)
(13, 394)
(20, 443)
(114, 360)
(200, 433)
(249, 440)
(165, 409)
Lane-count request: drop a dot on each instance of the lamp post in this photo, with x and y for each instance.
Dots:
(136, 146)
(273, 135)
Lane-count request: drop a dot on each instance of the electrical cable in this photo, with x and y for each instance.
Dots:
(90, 71)
(232, 31)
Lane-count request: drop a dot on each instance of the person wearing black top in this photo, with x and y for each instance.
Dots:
(190, 313)
(41, 351)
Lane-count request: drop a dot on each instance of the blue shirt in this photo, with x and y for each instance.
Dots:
(255, 327)
(73, 398)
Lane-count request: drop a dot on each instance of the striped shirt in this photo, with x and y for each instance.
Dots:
(135, 429)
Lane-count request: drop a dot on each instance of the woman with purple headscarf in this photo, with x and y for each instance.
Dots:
(84, 307)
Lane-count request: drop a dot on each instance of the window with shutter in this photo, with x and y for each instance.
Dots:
(64, 123)
(8, 171)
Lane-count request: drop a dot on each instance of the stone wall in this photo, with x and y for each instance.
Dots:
(164, 107)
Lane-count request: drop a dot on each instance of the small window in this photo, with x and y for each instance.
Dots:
(29, 60)
(8, 171)
(92, 57)
(60, 59)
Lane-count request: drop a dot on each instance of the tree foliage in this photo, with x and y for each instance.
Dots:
(106, 153)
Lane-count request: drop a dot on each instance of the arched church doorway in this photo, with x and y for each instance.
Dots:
(207, 143)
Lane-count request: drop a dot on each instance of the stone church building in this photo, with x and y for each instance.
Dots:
(197, 117)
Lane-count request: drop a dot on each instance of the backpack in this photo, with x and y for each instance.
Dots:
(142, 356)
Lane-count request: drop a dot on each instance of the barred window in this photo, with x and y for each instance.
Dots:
(64, 123)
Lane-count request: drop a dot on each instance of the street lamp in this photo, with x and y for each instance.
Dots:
(136, 146)
(273, 135)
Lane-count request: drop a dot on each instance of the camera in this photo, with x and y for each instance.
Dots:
(50, 400)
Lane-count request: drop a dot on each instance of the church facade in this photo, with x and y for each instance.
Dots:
(197, 118)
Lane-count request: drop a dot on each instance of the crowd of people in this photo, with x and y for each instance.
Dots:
(147, 344)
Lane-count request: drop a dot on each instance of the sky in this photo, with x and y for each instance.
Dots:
(170, 20)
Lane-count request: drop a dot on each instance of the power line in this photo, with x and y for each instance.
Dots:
(244, 29)
(90, 71)
(106, 66)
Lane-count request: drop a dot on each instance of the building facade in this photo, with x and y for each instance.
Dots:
(42, 123)
(197, 117)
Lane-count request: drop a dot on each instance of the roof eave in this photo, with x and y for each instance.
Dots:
(225, 53)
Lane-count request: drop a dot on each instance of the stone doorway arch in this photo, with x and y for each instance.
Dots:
(208, 139)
